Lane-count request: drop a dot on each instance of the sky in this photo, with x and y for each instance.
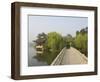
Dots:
(61, 24)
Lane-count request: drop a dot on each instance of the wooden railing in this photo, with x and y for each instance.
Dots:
(59, 58)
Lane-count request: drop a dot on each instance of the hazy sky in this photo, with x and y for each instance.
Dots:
(63, 25)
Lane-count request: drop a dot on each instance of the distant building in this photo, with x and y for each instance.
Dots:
(39, 43)
(39, 49)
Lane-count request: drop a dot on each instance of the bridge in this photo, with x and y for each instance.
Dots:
(70, 56)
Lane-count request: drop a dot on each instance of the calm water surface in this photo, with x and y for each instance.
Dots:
(32, 60)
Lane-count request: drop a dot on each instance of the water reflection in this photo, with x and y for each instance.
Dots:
(33, 59)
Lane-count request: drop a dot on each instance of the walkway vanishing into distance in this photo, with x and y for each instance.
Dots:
(70, 56)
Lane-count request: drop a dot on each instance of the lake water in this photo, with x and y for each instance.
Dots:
(32, 60)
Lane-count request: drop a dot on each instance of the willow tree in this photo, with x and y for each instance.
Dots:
(55, 41)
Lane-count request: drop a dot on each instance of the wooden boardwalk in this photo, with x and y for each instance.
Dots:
(73, 56)
(70, 56)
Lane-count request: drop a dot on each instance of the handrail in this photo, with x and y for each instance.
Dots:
(58, 59)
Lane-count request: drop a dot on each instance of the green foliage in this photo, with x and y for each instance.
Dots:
(41, 39)
(80, 41)
(54, 41)
(52, 46)
(69, 40)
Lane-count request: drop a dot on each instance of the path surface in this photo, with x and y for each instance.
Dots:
(73, 56)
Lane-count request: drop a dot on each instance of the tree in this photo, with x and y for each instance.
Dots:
(77, 32)
(69, 40)
(41, 39)
(78, 41)
(52, 46)
(81, 39)
(55, 41)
